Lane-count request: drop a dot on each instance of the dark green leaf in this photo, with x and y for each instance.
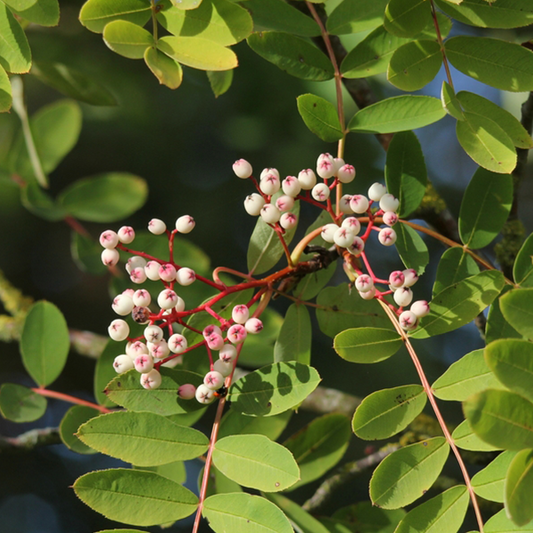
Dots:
(20, 404)
(523, 265)
(86, 252)
(294, 340)
(15, 53)
(74, 417)
(164, 68)
(406, 18)
(497, 326)
(292, 54)
(5, 92)
(368, 518)
(37, 201)
(95, 14)
(44, 342)
(519, 487)
(367, 345)
(517, 309)
(320, 116)
(411, 248)
(455, 265)
(353, 16)
(233, 423)
(220, 81)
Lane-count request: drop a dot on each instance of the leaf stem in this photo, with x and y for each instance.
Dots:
(441, 44)
(70, 399)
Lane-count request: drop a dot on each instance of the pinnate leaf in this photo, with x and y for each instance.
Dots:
(42, 12)
(411, 248)
(499, 523)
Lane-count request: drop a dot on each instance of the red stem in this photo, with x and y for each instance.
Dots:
(70, 399)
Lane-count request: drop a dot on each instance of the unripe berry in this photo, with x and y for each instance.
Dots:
(138, 275)
(368, 295)
(357, 246)
(376, 191)
(339, 163)
(110, 257)
(209, 330)
(359, 204)
(267, 171)
(185, 276)
(253, 204)
(253, 325)
(167, 272)
(122, 304)
(389, 202)
(325, 166)
(346, 174)
(288, 220)
(142, 298)
(126, 234)
(285, 203)
(270, 213)
(129, 292)
(364, 283)
(403, 296)
(242, 169)
(188, 390)
(161, 350)
(225, 368)
(408, 320)
(215, 341)
(237, 333)
(180, 306)
(153, 334)
(387, 236)
(123, 363)
(185, 224)
(307, 179)
(411, 277)
(135, 262)
(396, 279)
(420, 308)
(320, 192)
(291, 186)
(177, 343)
(109, 239)
(228, 353)
(390, 218)
(133, 349)
(352, 224)
(328, 232)
(240, 314)
(144, 363)
(156, 226)
(343, 237)
(152, 270)
(167, 299)
(204, 394)
(344, 204)
(118, 330)
(213, 380)
(270, 184)
(151, 380)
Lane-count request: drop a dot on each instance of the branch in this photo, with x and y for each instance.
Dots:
(29, 440)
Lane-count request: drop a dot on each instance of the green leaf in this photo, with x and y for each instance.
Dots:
(219, 483)
(280, 16)
(233, 423)
(414, 64)
(86, 253)
(74, 417)
(338, 310)
(144, 439)
(127, 39)
(294, 340)
(38, 202)
(257, 462)
(164, 68)
(411, 248)
(465, 438)
(450, 102)
(444, 512)
(43, 12)
(497, 326)
(105, 197)
(500, 14)
(465, 377)
(523, 265)
(369, 518)
(506, 66)
(186, 4)
(518, 488)
(499, 523)
(517, 308)
(44, 343)
(258, 350)
(473, 103)
(126, 390)
(292, 54)
(20, 4)
(319, 446)
(406, 474)
(489, 482)
(265, 248)
(244, 513)
(135, 497)
(486, 143)
(95, 14)
(320, 116)
(15, 53)
(405, 172)
(406, 18)
(197, 52)
(511, 360)
(5, 92)
(221, 21)
(399, 113)
(501, 418)
(353, 16)
(104, 372)
(72, 83)
(20, 404)
(460, 303)
(367, 345)
(385, 413)
(273, 389)
(121, 531)
(485, 207)
(220, 81)
(455, 265)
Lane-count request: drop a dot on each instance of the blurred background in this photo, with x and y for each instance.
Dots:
(183, 144)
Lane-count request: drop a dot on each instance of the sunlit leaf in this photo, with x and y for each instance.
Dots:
(517, 308)
(411, 248)
(523, 265)
(42, 12)
(294, 340)
(15, 53)
(5, 92)
(450, 102)
(74, 417)
(95, 14)
(489, 482)
(353, 16)
(498, 327)
(367, 345)
(406, 18)
(465, 438)
(455, 265)
(220, 81)
(127, 39)
(518, 488)
(164, 68)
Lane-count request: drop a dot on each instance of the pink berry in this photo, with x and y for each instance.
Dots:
(353, 224)
(109, 239)
(368, 295)
(133, 349)
(285, 203)
(420, 308)
(357, 246)
(209, 330)
(411, 277)
(396, 279)
(240, 314)
(387, 236)
(390, 218)
(144, 363)
(344, 204)
(325, 166)
(346, 174)
(187, 391)
(110, 257)
(167, 272)
(138, 275)
(364, 283)
(213, 380)
(167, 299)
(320, 192)
(126, 234)
(288, 220)
(253, 325)
(237, 333)
(270, 184)
(215, 341)
(408, 320)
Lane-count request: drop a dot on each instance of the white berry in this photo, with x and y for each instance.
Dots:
(122, 304)
(122, 363)
(204, 394)
(420, 308)
(253, 325)
(151, 380)
(177, 343)
(270, 214)
(408, 320)
(388, 202)
(126, 234)
(153, 334)
(307, 179)
(253, 204)
(387, 236)
(403, 296)
(185, 224)
(110, 257)
(320, 192)
(109, 239)
(376, 191)
(346, 174)
(359, 204)
(288, 220)
(185, 276)
(118, 330)
(242, 169)
(291, 186)
(152, 270)
(156, 226)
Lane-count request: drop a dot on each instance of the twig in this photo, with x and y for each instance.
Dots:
(29, 440)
